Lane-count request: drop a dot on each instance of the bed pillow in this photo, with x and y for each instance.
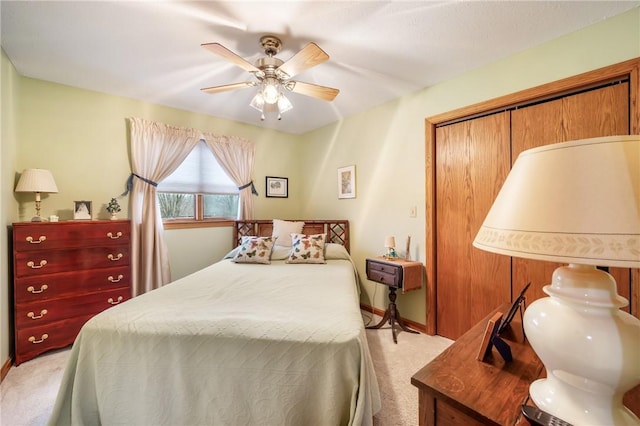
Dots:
(254, 250)
(335, 251)
(280, 252)
(307, 248)
(282, 230)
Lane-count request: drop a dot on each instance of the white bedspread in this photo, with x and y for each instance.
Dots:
(232, 344)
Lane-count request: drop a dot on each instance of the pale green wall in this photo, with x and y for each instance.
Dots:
(387, 143)
(9, 93)
(81, 136)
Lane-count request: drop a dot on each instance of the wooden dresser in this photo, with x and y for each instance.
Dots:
(457, 389)
(64, 274)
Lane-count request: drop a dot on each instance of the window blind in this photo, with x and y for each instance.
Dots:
(199, 173)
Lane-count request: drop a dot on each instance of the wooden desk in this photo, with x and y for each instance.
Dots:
(456, 389)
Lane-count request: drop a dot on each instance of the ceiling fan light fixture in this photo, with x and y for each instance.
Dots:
(273, 75)
(284, 104)
(257, 102)
(270, 90)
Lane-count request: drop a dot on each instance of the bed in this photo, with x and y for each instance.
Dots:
(276, 343)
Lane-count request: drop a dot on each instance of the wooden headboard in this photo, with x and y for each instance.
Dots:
(337, 230)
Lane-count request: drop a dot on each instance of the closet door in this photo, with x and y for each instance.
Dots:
(598, 112)
(472, 162)
(531, 127)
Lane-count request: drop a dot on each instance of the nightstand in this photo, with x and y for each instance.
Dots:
(405, 275)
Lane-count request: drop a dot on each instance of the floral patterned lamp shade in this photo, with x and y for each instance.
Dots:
(578, 203)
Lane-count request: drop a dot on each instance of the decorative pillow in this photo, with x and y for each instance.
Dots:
(283, 229)
(254, 250)
(307, 248)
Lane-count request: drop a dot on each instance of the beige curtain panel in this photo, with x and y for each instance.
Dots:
(235, 155)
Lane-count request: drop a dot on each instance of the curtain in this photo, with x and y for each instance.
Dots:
(235, 155)
(156, 151)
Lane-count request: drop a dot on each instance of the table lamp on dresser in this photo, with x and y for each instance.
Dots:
(37, 181)
(578, 203)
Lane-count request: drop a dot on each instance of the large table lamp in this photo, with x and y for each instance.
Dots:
(576, 202)
(37, 181)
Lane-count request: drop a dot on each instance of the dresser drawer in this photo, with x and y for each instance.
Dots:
(53, 235)
(28, 264)
(384, 273)
(32, 289)
(33, 341)
(64, 273)
(48, 311)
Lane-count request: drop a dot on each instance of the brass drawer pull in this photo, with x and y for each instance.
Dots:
(31, 289)
(31, 264)
(33, 340)
(115, 280)
(115, 302)
(118, 235)
(34, 316)
(31, 241)
(114, 258)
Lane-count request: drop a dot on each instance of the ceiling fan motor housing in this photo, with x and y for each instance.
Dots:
(270, 44)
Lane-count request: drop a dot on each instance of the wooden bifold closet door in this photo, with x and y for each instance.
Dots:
(472, 160)
(600, 112)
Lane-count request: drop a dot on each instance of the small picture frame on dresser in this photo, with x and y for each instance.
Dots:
(487, 340)
(82, 210)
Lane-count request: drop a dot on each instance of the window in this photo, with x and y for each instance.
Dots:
(198, 191)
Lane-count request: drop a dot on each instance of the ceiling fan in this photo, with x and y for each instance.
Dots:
(273, 75)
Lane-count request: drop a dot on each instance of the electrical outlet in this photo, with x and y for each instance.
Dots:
(413, 212)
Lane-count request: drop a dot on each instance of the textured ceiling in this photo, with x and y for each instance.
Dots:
(379, 50)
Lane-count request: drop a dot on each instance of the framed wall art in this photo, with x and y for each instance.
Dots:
(82, 210)
(277, 187)
(347, 182)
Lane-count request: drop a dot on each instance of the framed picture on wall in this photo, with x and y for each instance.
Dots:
(277, 187)
(347, 182)
(82, 210)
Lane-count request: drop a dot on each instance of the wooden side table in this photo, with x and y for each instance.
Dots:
(457, 389)
(400, 274)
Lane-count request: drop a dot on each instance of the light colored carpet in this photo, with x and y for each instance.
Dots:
(29, 390)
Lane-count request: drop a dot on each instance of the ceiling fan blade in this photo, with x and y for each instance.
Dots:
(220, 50)
(227, 87)
(308, 89)
(310, 56)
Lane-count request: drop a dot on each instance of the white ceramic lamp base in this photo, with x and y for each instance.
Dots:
(589, 347)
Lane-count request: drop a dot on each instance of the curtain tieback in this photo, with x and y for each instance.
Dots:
(130, 183)
(253, 188)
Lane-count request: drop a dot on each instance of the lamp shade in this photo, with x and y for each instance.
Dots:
(572, 202)
(390, 242)
(36, 180)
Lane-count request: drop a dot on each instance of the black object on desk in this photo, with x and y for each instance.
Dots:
(537, 417)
